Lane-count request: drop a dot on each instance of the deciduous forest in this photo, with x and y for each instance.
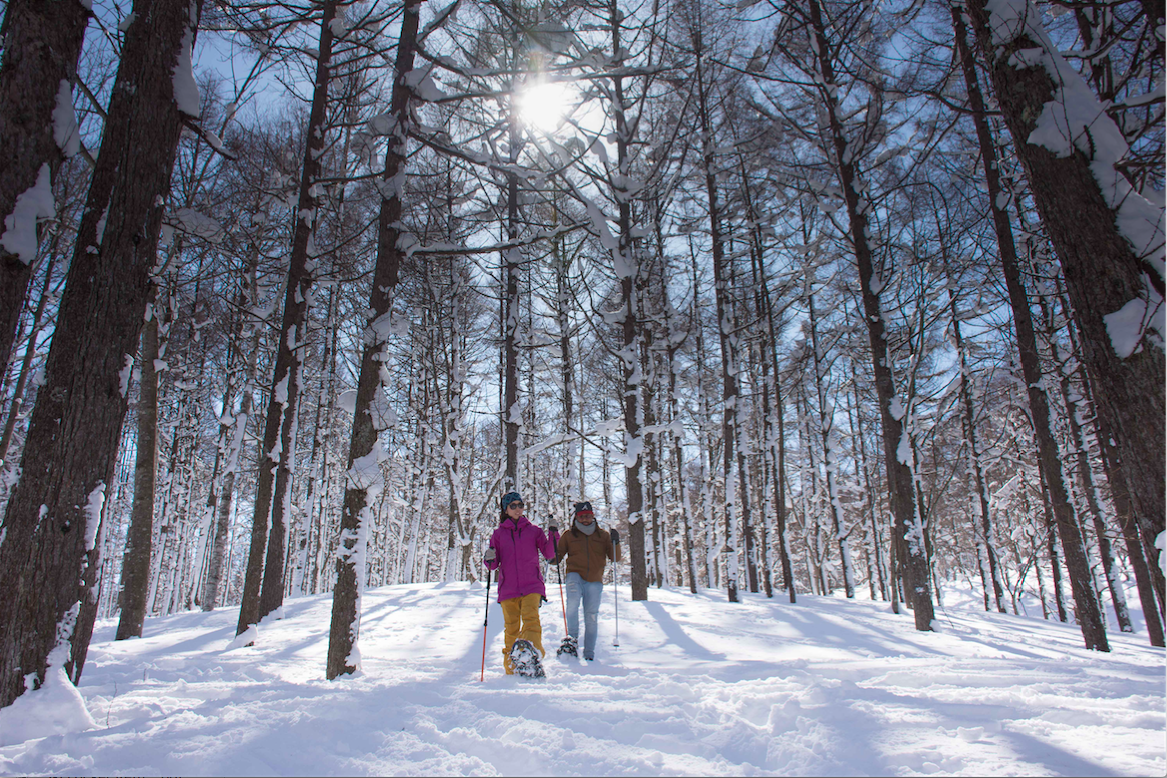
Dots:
(821, 296)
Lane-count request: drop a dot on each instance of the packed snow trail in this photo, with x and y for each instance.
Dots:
(698, 686)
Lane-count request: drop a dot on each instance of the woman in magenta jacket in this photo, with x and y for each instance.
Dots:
(513, 551)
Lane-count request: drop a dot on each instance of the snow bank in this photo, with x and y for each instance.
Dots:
(57, 708)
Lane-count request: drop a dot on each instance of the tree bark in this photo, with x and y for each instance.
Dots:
(52, 518)
(1090, 616)
(42, 44)
(1051, 541)
(135, 586)
(1152, 611)
(912, 563)
(983, 529)
(277, 459)
(25, 365)
(731, 561)
(369, 417)
(776, 439)
(233, 448)
(1105, 273)
(826, 424)
(1076, 411)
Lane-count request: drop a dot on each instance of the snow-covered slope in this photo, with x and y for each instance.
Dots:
(696, 686)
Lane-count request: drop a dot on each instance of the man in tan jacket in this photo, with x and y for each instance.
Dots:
(587, 548)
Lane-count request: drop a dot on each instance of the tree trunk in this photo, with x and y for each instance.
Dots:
(42, 42)
(727, 336)
(279, 439)
(912, 563)
(26, 364)
(139, 538)
(1152, 612)
(766, 421)
(233, 438)
(705, 447)
(1113, 273)
(1075, 412)
(777, 443)
(983, 530)
(1089, 613)
(371, 416)
(627, 266)
(1051, 535)
(52, 518)
(826, 425)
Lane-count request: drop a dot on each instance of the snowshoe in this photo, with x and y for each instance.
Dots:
(525, 659)
(569, 647)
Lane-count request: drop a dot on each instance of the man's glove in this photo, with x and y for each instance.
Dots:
(615, 536)
(552, 528)
(489, 556)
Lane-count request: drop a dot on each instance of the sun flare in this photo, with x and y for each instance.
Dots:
(544, 105)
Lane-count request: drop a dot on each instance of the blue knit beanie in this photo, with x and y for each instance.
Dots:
(510, 497)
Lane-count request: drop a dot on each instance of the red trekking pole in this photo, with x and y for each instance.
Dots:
(485, 619)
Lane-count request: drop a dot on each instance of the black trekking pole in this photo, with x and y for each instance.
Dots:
(485, 619)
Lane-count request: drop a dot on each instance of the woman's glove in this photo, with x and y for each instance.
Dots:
(489, 556)
(615, 536)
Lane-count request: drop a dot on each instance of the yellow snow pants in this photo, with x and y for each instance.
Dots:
(521, 618)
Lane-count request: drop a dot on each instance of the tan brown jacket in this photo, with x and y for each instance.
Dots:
(586, 554)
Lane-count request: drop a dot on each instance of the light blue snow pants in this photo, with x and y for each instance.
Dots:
(579, 589)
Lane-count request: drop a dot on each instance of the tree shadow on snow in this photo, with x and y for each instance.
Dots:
(676, 634)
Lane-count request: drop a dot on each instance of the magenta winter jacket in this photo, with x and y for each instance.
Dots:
(517, 546)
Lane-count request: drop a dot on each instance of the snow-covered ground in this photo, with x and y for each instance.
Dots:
(696, 686)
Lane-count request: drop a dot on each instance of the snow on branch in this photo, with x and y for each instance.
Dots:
(213, 140)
